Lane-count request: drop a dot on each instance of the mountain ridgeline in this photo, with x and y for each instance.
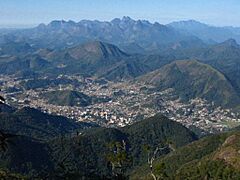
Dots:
(206, 32)
(192, 59)
(122, 32)
(33, 123)
(213, 157)
(94, 59)
(102, 60)
(84, 154)
(191, 79)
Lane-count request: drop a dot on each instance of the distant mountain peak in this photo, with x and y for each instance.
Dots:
(57, 22)
(187, 24)
(191, 21)
(60, 23)
(104, 48)
(127, 18)
(116, 21)
(96, 49)
(231, 42)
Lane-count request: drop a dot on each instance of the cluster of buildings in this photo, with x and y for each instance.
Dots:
(129, 102)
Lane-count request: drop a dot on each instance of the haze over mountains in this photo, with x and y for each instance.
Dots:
(62, 81)
(127, 33)
(206, 32)
(87, 48)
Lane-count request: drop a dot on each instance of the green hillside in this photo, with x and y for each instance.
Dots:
(226, 58)
(97, 59)
(155, 131)
(90, 153)
(213, 157)
(87, 155)
(93, 145)
(223, 56)
(191, 79)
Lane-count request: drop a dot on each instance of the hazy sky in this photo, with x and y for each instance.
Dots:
(32, 12)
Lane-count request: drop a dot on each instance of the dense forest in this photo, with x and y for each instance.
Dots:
(153, 148)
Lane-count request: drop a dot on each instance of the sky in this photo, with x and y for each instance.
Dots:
(16, 13)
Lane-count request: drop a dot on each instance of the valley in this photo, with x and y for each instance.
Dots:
(120, 104)
(119, 99)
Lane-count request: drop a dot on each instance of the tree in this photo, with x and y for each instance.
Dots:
(118, 158)
(62, 168)
(152, 154)
(161, 171)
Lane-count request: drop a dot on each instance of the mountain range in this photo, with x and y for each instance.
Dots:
(206, 32)
(130, 35)
(196, 60)
(103, 60)
(121, 32)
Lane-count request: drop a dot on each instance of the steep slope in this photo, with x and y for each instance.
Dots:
(87, 154)
(89, 52)
(156, 131)
(97, 59)
(223, 56)
(222, 53)
(96, 49)
(132, 48)
(213, 157)
(91, 55)
(191, 79)
(93, 145)
(94, 58)
(125, 70)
